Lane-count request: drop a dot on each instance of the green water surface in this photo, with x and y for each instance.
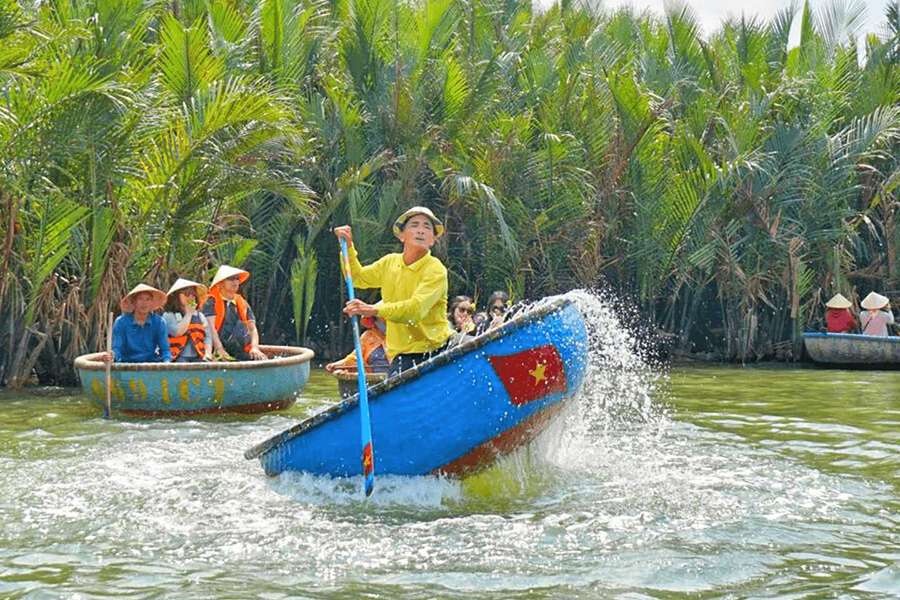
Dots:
(736, 482)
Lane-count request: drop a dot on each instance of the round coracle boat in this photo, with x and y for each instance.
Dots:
(178, 389)
(453, 414)
(348, 381)
(853, 351)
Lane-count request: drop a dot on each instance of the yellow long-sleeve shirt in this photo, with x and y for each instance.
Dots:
(413, 300)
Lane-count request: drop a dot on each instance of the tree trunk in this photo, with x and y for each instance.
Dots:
(12, 206)
(24, 361)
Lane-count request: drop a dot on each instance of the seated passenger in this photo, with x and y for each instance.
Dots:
(139, 335)
(461, 310)
(838, 317)
(413, 286)
(876, 317)
(497, 305)
(190, 334)
(374, 349)
(232, 317)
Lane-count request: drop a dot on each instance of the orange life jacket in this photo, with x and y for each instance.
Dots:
(239, 302)
(369, 342)
(196, 333)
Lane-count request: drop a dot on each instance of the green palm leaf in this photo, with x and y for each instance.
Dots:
(51, 227)
(186, 62)
(304, 270)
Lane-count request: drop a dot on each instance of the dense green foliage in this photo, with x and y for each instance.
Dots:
(724, 184)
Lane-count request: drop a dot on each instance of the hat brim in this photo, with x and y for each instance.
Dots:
(873, 306)
(159, 300)
(244, 275)
(183, 284)
(202, 290)
(399, 223)
(838, 304)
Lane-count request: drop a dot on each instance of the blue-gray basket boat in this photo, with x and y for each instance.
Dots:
(184, 389)
(853, 350)
(453, 414)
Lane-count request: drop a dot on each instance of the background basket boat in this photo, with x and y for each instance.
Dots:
(172, 389)
(853, 350)
(347, 381)
(455, 413)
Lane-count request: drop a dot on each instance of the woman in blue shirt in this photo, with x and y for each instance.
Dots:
(139, 334)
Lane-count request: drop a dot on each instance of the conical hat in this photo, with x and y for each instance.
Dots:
(419, 210)
(225, 272)
(838, 301)
(874, 301)
(127, 303)
(181, 284)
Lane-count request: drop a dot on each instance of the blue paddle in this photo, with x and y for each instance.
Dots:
(368, 458)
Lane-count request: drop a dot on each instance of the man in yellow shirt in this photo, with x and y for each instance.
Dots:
(413, 287)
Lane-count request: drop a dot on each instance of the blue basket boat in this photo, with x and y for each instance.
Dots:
(453, 414)
(183, 389)
(853, 350)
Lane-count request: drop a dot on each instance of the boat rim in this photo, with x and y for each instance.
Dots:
(517, 322)
(346, 375)
(294, 355)
(892, 339)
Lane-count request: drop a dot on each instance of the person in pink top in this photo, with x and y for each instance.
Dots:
(876, 317)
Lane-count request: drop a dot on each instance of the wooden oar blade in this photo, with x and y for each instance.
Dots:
(368, 462)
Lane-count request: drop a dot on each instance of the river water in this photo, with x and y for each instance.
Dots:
(718, 481)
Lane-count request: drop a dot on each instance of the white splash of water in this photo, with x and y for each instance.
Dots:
(617, 395)
(390, 490)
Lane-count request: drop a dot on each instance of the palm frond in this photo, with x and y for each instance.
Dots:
(186, 63)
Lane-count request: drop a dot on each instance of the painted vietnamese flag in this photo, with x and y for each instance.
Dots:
(530, 374)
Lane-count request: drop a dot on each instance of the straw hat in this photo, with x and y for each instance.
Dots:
(127, 303)
(181, 284)
(838, 301)
(226, 272)
(419, 210)
(874, 301)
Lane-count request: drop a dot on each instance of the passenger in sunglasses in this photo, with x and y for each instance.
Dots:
(497, 307)
(461, 313)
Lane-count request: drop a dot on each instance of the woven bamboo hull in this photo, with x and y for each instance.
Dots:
(853, 350)
(183, 389)
(451, 415)
(348, 384)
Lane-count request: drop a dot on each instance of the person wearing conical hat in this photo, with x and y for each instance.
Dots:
(413, 286)
(231, 315)
(876, 316)
(838, 318)
(190, 334)
(139, 334)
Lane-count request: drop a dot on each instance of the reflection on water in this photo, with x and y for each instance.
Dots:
(723, 481)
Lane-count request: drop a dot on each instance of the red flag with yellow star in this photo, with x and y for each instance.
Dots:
(530, 374)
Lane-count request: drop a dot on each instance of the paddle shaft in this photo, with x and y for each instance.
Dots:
(368, 456)
(108, 411)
